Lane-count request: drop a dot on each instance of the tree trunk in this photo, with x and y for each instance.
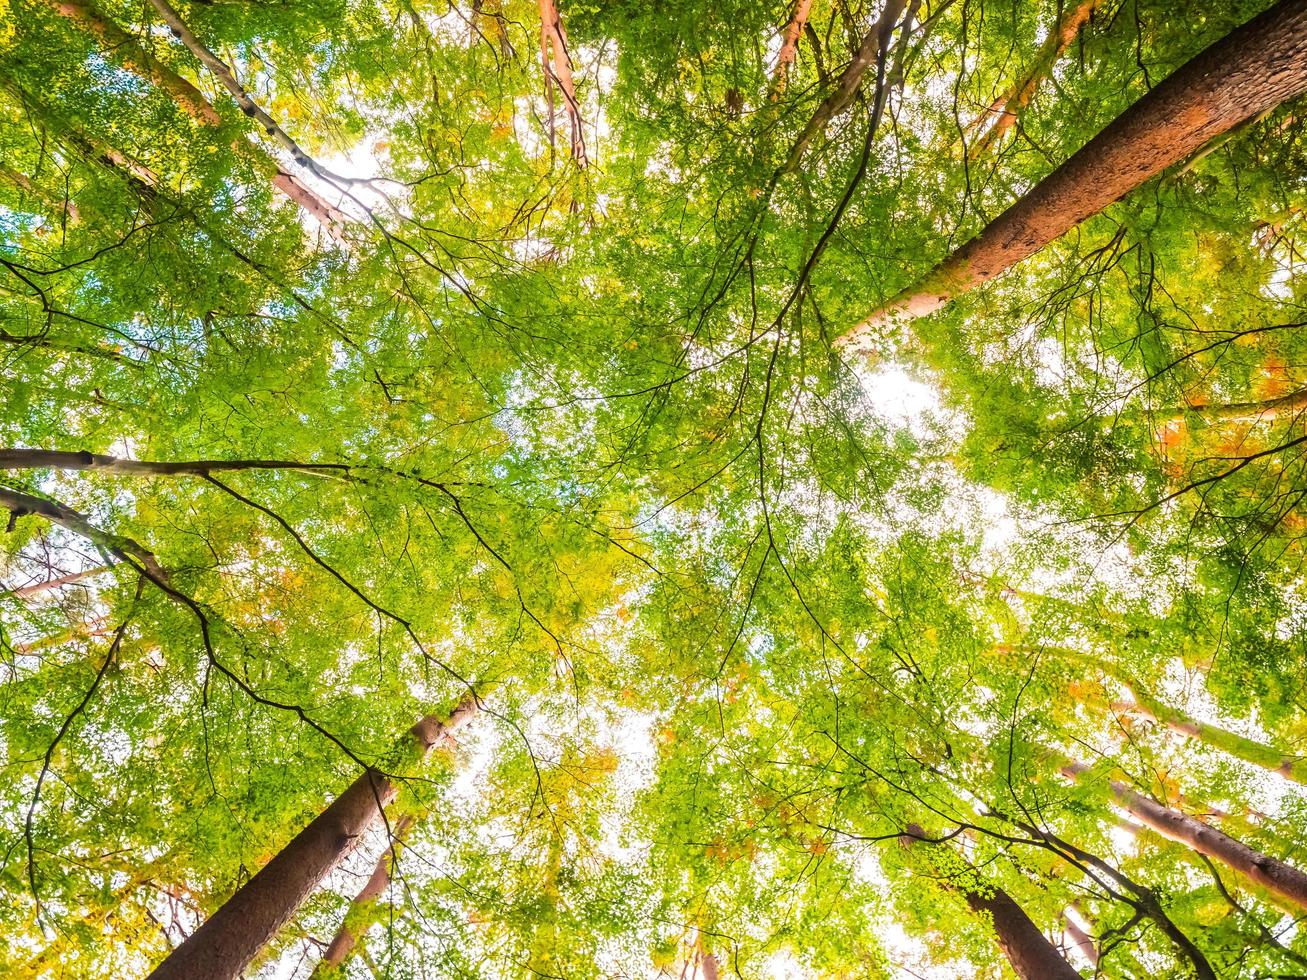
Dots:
(1291, 767)
(38, 589)
(226, 943)
(359, 916)
(1002, 114)
(134, 58)
(1080, 939)
(1247, 73)
(56, 459)
(1275, 876)
(873, 51)
(1032, 956)
(1027, 949)
(129, 53)
(557, 63)
(789, 47)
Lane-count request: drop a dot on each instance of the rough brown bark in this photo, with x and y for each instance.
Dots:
(1002, 114)
(789, 47)
(1032, 956)
(1247, 73)
(129, 53)
(1274, 875)
(226, 943)
(1027, 949)
(358, 915)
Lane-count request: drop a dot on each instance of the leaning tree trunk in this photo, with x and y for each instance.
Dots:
(225, 944)
(1274, 875)
(1003, 112)
(1027, 949)
(1245, 74)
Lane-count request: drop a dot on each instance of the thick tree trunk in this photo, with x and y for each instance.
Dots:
(1002, 115)
(226, 943)
(1275, 876)
(1247, 73)
(1032, 956)
(360, 914)
(1027, 949)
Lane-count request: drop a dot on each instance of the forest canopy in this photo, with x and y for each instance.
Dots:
(574, 489)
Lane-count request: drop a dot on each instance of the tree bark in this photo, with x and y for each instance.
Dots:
(131, 55)
(37, 589)
(1249, 72)
(874, 48)
(1274, 875)
(1027, 949)
(789, 47)
(1003, 112)
(226, 943)
(1291, 767)
(1080, 939)
(55, 459)
(22, 504)
(553, 49)
(1032, 956)
(134, 58)
(333, 219)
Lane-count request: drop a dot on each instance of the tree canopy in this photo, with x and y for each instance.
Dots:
(562, 489)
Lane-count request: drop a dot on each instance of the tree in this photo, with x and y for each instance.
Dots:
(1248, 73)
(338, 384)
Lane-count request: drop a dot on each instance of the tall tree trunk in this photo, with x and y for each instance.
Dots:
(230, 938)
(1002, 114)
(1241, 747)
(1274, 875)
(38, 589)
(129, 53)
(1247, 73)
(874, 50)
(361, 913)
(58, 459)
(1291, 767)
(556, 60)
(1027, 949)
(1080, 939)
(1032, 956)
(789, 47)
